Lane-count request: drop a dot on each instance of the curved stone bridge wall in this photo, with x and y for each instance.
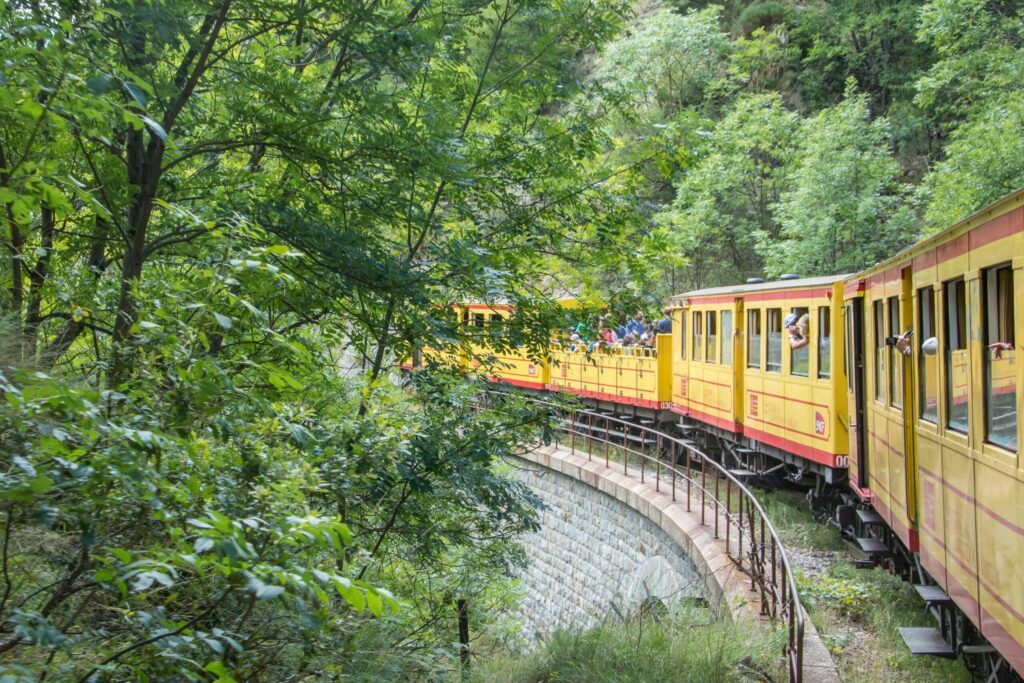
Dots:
(593, 555)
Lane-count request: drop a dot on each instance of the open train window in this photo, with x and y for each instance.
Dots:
(754, 339)
(799, 344)
(726, 337)
(478, 320)
(1000, 359)
(698, 334)
(774, 361)
(895, 356)
(824, 342)
(957, 360)
(497, 320)
(712, 353)
(927, 358)
(682, 335)
(879, 318)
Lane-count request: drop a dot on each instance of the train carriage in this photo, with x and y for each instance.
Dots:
(735, 370)
(936, 431)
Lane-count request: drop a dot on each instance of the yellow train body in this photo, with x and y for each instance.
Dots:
(733, 366)
(938, 453)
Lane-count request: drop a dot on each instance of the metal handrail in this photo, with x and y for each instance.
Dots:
(765, 560)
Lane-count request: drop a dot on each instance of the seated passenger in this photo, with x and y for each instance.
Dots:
(664, 325)
(797, 328)
(608, 335)
(636, 325)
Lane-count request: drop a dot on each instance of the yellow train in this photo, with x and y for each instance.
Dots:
(902, 409)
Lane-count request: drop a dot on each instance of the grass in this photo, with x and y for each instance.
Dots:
(691, 643)
(795, 523)
(857, 611)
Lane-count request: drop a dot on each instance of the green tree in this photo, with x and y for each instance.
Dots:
(844, 207)
(728, 199)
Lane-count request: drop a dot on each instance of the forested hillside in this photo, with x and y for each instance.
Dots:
(812, 137)
(225, 223)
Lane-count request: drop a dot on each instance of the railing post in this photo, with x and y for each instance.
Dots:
(572, 432)
(674, 470)
(728, 511)
(703, 488)
(607, 438)
(689, 475)
(590, 433)
(718, 505)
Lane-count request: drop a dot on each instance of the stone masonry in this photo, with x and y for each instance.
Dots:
(594, 555)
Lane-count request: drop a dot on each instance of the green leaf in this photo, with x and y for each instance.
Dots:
(155, 128)
(99, 83)
(138, 95)
(223, 321)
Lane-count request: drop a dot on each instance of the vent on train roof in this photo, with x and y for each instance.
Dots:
(755, 280)
(789, 276)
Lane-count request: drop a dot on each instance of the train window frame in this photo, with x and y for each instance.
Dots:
(682, 334)
(773, 317)
(927, 324)
(725, 355)
(954, 291)
(698, 336)
(878, 330)
(998, 320)
(754, 340)
(711, 340)
(824, 369)
(895, 374)
(848, 342)
(478, 320)
(804, 352)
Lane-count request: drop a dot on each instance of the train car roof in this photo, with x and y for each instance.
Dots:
(798, 283)
(994, 210)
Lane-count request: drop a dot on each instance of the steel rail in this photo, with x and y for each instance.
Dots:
(763, 556)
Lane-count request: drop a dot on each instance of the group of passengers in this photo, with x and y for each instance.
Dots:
(636, 332)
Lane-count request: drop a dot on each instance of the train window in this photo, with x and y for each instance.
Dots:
(848, 356)
(957, 360)
(712, 352)
(927, 363)
(895, 356)
(726, 337)
(682, 335)
(773, 363)
(799, 349)
(824, 342)
(478, 320)
(879, 314)
(698, 329)
(1000, 359)
(754, 339)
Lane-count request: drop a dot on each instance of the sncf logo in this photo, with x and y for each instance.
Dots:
(753, 405)
(531, 369)
(819, 424)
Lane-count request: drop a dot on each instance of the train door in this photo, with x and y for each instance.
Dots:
(855, 389)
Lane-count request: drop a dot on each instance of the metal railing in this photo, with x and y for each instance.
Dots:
(680, 468)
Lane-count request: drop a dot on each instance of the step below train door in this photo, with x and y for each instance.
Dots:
(855, 387)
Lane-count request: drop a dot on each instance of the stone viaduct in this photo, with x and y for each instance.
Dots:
(609, 541)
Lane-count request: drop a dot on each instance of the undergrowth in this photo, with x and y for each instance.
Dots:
(690, 644)
(857, 611)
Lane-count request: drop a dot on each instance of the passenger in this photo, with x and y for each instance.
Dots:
(575, 342)
(608, 335)
(629, 340)
(664, 325)
(636, 325)
(797, 328)
(903, 342)
(998, 347)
